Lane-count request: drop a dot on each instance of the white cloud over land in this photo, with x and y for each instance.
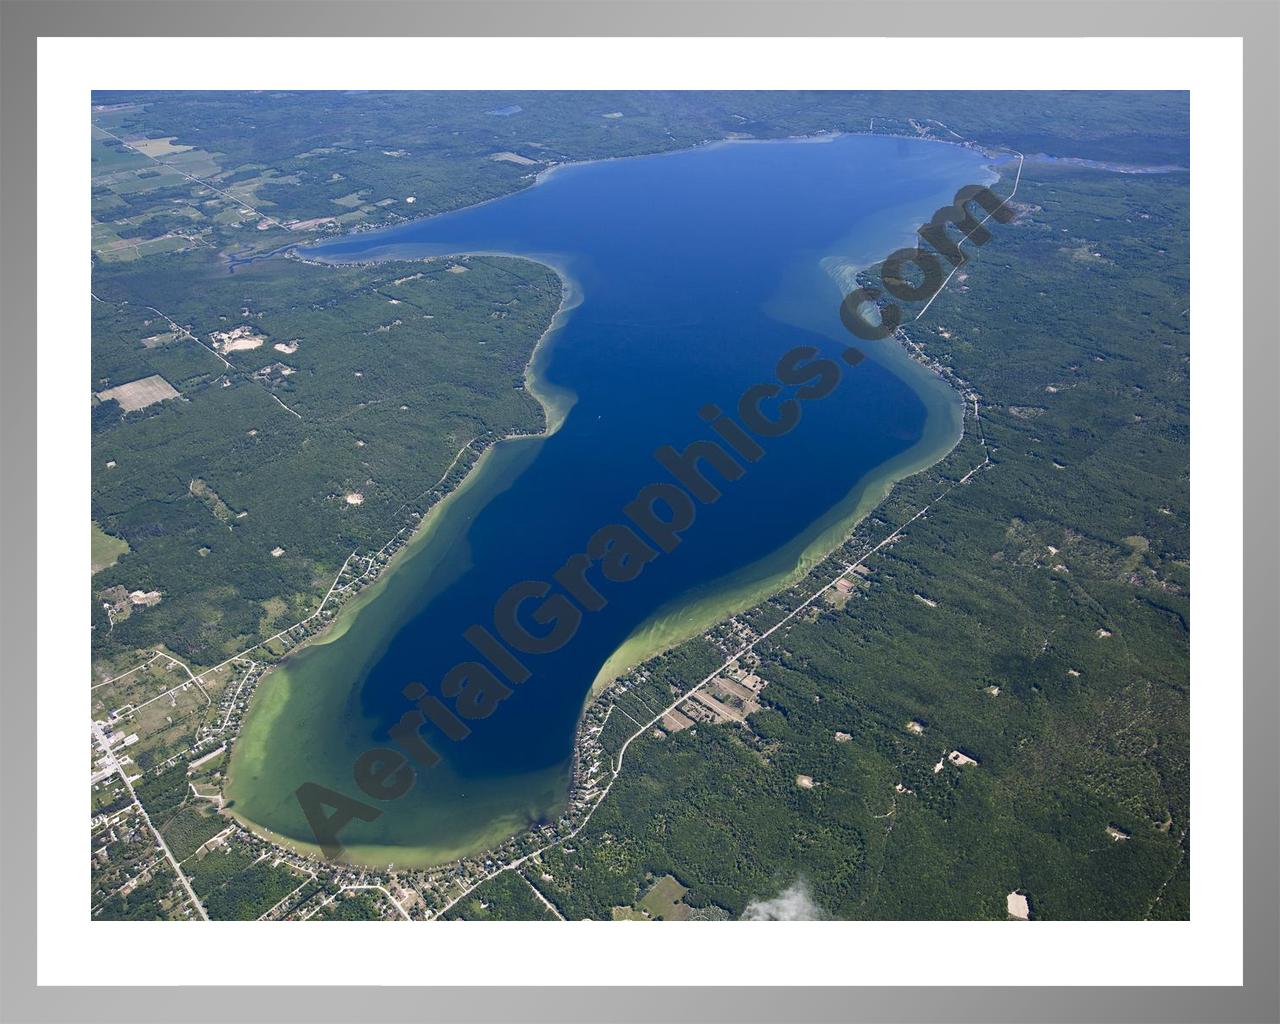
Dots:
(794, 903)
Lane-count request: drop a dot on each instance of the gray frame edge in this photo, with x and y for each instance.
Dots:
(1257, 21)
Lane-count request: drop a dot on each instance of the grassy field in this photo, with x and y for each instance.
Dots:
(105, 550)
(664, 901)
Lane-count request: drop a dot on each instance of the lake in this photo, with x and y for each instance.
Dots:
(689, 275)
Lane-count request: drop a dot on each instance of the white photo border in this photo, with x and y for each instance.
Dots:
(73, 950)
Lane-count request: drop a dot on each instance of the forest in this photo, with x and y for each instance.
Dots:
(241, 498)
(1051, 647)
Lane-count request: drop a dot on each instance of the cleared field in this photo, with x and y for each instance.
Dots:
(513, 158)
(168, 243)
(138, 394)
(105, 550)
(156, 340)
(165, 726)
(350, 200)
(167, 708)
(110, 156)
(663, 901)
(146, 180)
(158, 710)
(157, 147)
(135, 688)
(215, 682)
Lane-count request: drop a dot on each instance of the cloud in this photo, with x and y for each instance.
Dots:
(792, 904)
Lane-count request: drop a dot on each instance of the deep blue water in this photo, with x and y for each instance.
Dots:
(696, 271)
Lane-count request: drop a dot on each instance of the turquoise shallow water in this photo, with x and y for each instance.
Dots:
(694, 273)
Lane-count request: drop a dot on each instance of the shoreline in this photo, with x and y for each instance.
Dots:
(672, 624)
(760, 580)
(683, 618)
(269, 700)
(534, 179)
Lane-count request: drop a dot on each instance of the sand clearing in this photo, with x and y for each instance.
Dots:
(915, 727)
(804, 781)
(240, 339)
(287, 347)
(959, 759)
(1018, 907)
(277, 552)
(355, 498)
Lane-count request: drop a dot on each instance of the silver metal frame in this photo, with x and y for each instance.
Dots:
(1256, 21)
